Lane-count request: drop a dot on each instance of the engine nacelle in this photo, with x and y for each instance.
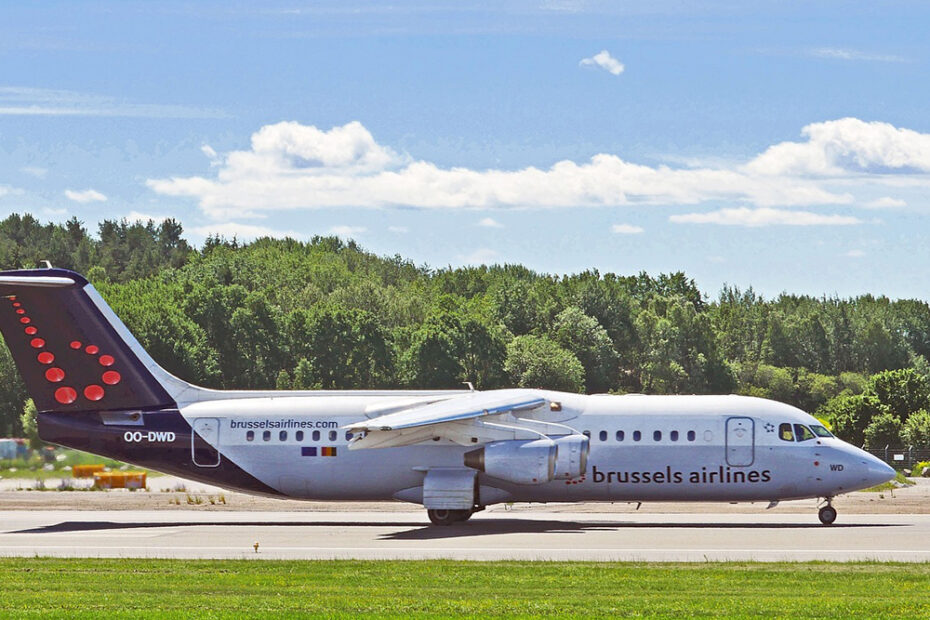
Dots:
(572, 459)
(519, 461)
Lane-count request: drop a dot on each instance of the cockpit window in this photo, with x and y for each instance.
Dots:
(820, 431)
(784, 431)
(803, 433)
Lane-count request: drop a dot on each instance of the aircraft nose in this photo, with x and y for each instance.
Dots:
(877, 471)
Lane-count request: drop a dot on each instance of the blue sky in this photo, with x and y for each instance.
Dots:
(782, 145)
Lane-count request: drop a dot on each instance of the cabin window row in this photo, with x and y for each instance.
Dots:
(298, 436)
(638, 435)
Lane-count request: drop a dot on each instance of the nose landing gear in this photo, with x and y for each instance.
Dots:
(827, 513)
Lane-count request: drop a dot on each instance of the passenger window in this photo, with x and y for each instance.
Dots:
(586, 434)
(250, 436)
(602, 435)
(316, 435)
(348, 435)
(802, 432)
(820, 431)
(620, 435)
(333, 435)
(657, 436)
(266, 436)
(784, 432)
(299, 435)
(691, 435)
(282, 436)
(637, 435)
(673, 435)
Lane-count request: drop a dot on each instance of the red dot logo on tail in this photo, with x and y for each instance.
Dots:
(92, 349)
(93, 392)
(31, 331)
(106, 360)
(37, 343)
(111, 377)
(55, 374)
(66, 395)
(45, 357)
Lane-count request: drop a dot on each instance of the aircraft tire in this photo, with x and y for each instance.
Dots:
(827, 515)
(447, 517)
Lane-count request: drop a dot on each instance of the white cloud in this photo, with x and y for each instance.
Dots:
(605, 61)
(27, 101)
(34, 171)
(626, 229)
(755, 218)
(294, 166)
(85, 196)
(846, 147)
(208, 150)
(347, 231)
(839, 53)
(481, 256)
(55, 212)
(138, 216)
(885, 203)
(854, 254)
(398, 229)
(490, 222)
(243, 232)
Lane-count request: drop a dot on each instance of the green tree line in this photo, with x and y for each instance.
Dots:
(280, 313)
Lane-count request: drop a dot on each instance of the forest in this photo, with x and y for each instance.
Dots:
(282, 313)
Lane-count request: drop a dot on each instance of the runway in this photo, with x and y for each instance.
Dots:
(492, 535)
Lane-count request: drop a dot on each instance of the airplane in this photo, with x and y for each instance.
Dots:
(452, 451)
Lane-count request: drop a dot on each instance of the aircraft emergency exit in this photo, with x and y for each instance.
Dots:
(454, 452)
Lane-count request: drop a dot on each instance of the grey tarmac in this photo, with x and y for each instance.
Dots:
(492, 535)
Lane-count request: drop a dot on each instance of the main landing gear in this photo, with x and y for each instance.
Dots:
(827, 513)
(448, 517)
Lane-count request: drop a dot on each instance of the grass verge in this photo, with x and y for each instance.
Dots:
(236, 588)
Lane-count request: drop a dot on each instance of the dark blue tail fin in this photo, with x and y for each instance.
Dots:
(71, 350)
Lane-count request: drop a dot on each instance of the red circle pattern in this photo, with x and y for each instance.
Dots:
(92, 349)
(55, 374)
(37, 343)
(45, 357)
(66, 395)
(75, 344)
(111, 377)
(106, 360)
(93, 392)
(31, 331)
(25, 320)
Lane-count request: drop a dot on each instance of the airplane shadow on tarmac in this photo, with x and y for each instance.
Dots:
(476, 527)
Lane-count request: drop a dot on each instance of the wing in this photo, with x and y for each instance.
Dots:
(468, 419)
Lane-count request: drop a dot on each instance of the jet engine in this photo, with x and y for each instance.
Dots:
(519, 461)
(572, 459)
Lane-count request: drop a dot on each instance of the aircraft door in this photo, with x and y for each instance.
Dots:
(740, 442)
(205, 441)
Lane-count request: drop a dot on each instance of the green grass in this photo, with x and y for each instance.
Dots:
(33, 468)
(169, 588)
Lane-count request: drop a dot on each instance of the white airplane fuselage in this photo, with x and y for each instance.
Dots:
(642, 448)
